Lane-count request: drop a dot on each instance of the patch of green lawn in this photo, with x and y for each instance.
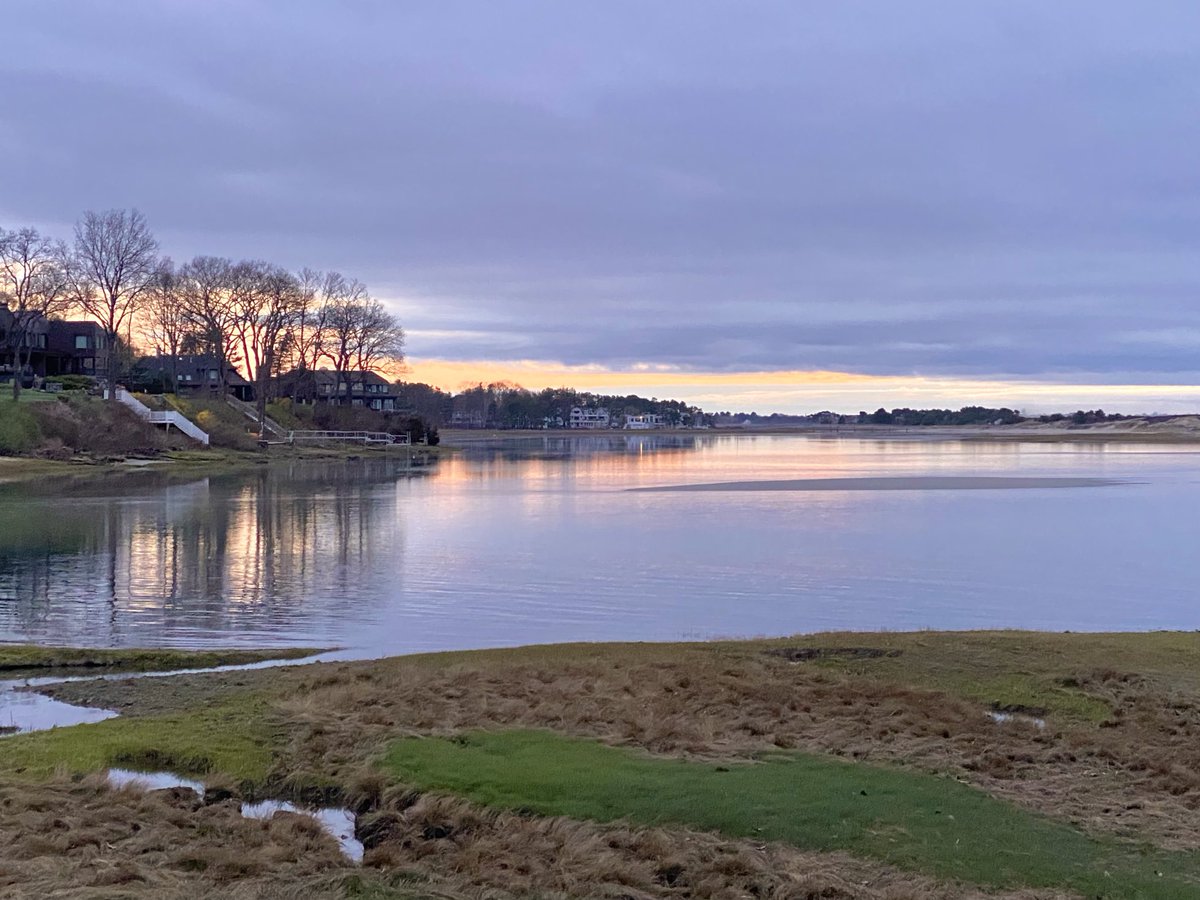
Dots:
(232, 738)
(912, 820)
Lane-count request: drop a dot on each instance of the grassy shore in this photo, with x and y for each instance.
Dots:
(194, 463)
(23, 658)
(835, 766)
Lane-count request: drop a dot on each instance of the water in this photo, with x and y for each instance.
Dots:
(541, 540)
(338, 823)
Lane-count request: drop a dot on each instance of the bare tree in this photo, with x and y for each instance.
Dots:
(380, 338)
(358, 334)
(33, 286)
(166, 321)
(207, 294)
(300, 345)
(268, 301)
(112, 269)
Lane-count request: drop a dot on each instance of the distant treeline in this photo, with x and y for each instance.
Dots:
(504, 405)
(968, 415)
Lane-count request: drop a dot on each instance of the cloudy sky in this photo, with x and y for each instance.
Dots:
(731, 202)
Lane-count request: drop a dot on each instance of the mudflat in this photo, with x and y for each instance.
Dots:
(894, 483)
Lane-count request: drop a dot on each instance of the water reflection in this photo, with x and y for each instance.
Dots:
(241, 554)
(540, 539)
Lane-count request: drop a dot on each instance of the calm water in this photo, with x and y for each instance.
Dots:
(540, 540)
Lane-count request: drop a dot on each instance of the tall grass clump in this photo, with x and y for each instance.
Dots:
(19, 432)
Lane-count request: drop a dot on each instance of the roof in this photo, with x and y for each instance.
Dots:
(191, 363)
(328, 376)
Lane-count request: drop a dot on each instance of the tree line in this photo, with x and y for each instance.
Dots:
(250, 315)
(506, 405)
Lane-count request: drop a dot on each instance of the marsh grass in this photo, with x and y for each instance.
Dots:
(915, 821)
(82, 839)
(1126, 782)
(22, 657)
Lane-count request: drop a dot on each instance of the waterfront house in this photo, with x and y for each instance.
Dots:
(356, 388)
(589, 417)
(55, 347)
(642, 422)
(192, 375)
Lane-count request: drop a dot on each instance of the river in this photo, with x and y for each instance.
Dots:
(546, 539)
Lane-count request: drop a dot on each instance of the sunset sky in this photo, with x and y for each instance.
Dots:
(777, 206)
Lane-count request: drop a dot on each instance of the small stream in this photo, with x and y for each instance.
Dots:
(336, 822)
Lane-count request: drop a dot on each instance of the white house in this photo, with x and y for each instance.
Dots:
(589, 418)
(640, 423)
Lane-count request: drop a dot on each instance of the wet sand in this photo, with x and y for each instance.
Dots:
(893, 483)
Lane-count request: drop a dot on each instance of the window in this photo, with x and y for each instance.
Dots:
(212, 374)
(81, 342)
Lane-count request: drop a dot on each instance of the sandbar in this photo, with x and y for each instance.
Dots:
(894, 483)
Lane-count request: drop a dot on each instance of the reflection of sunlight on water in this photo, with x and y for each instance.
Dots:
(536, 539)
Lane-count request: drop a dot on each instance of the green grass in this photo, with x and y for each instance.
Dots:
(232, 738)
(28, 396)
(28, 656)
(912, 820)
(19, 430)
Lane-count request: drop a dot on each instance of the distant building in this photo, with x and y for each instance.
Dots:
(356, 388)
(589, 418)
(466, 418)
(194, 375)
(640, 423)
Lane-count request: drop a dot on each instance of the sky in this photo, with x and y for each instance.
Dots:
(779, 206)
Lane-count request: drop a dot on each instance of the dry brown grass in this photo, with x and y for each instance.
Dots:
(1136, 776)
(488, 850)
(83, 839)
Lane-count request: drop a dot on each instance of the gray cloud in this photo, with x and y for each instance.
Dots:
(1003, 188)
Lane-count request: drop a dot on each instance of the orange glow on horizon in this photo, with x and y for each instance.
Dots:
(801, 390)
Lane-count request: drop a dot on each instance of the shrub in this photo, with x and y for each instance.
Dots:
(74, 382)
(19, 432)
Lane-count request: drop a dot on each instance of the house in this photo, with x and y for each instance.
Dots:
(466, 418)
(55, 348)
(356, 388)
(193, 375)
(588, 418)
(639, 423)
(75, 348)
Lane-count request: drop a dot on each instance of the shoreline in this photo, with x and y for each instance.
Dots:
(18, 469)
(1102, 433)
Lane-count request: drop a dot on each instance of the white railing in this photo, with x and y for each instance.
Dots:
(356, 437)
(161, 417)
(251, 413)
